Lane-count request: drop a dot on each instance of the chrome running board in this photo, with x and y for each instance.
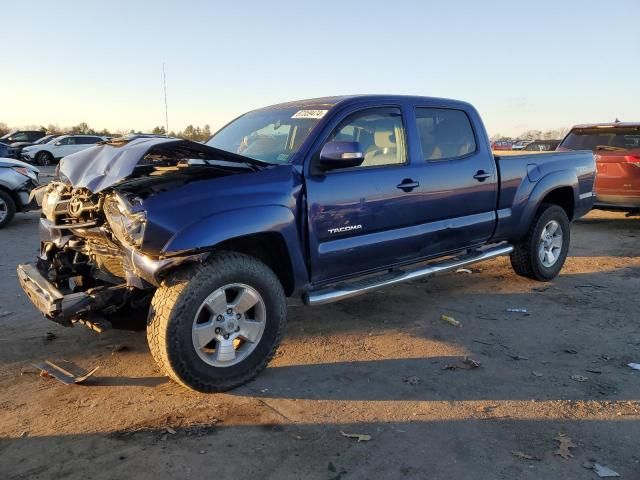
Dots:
(342, 291)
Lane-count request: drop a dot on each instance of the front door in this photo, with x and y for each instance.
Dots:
(362, 218)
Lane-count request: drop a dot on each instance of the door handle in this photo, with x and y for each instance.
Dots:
(481, 176)
(408, 184)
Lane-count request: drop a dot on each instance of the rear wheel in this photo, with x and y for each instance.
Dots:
(44, 159)
(7, 208)
(540, 255)
(215, 326)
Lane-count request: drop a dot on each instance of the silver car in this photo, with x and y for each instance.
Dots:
(17, 179)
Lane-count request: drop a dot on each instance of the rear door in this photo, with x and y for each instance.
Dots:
(458, 178)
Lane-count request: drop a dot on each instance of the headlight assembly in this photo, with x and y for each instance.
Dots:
(127, 224)
(48, 201)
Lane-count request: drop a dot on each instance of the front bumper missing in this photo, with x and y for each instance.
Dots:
(56, 305)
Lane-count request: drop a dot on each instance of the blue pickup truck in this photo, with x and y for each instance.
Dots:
(322, 199)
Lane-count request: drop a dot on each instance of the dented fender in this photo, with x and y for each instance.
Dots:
(211, 231)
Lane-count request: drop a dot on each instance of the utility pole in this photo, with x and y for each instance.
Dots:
(166, 110)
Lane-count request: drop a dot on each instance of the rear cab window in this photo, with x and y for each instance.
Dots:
(445, 134)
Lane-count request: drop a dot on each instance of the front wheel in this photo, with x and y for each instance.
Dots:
(7, 208)
(540, 255)
(215, 326)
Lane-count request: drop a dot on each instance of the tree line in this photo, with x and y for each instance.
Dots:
(191, 132)
(531, 135)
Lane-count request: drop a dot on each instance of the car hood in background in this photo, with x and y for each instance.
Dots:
(10, 162)
(108, 163)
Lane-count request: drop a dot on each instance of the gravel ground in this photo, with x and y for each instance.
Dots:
(378, 365)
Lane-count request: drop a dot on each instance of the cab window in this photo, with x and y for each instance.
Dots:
(445, 134)
(380, 135)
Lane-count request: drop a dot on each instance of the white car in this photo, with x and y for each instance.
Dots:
(46, 154)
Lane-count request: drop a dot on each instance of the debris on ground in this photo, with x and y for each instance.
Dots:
(24, 433)
(536, 374)
(564, 445)
(519, 357)
(121, 347)
(592, 370)
(467, 364)
(578, 378)
(603, 471)
(451, 320)
(463, 270)
(5, 314)
(170, 430)
(361, 437)
(571, 351)
(517, 310)
(635, 366)
(412, 380)
(66, 372)
(50, 336)
(524, 456)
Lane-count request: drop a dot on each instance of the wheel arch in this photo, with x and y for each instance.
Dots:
(14, 196)
(558, 188)
(269, 233)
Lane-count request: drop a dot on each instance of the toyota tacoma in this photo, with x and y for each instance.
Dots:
(321, 199)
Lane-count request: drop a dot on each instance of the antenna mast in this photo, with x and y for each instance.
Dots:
(166, 110)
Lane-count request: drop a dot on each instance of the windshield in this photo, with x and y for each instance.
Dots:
(46, 139)
(4, 137)
(271, 135)
(614, 139)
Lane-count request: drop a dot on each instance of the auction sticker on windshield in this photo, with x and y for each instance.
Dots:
(316, 114)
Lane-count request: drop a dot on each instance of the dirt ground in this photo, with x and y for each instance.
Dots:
(374, 365)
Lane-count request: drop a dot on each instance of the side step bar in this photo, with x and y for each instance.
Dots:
(342, 291)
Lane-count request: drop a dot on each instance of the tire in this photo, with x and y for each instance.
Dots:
(527, 259)
(178, 309)
(7, 208)
(44, 159)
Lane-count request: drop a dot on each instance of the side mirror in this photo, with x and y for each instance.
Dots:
(341, 154)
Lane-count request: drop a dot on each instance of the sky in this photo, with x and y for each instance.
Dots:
(524, 65)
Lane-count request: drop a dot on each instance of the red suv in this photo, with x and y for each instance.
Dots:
(617, 151)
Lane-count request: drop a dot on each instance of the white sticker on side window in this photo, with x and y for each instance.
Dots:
(315, 114)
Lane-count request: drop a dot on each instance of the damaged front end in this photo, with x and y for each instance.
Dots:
(91, 264)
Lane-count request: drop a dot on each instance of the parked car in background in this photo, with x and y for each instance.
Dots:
(15, 149)
(22, 136)
(48, 153)
(323, 198)
(520, 144)
(617, 152)
(502, 145)
(541, 146)
(17, 179)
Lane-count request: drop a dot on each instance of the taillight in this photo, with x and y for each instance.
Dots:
(632, 159)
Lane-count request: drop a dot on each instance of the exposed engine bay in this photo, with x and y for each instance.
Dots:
(91, 237)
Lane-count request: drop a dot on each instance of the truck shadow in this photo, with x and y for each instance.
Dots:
(463, 449)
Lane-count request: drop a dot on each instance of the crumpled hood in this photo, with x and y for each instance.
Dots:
(106, 164)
